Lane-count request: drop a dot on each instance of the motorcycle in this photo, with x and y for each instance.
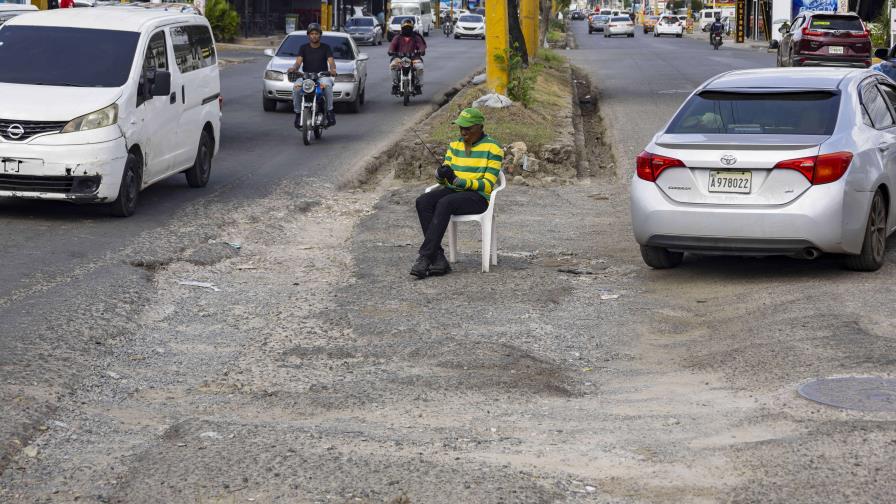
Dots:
(447, 27)
(408, 81)
(313, 115)
(716, 40)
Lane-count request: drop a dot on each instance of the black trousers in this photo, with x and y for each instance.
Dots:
(435, 209)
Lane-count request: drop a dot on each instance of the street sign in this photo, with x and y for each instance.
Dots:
(740, 21)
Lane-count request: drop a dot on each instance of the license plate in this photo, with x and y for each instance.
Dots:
(730, 181)
(11, 165)
(835, 49)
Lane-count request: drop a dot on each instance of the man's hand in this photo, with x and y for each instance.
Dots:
(445, 172)
(291, 69)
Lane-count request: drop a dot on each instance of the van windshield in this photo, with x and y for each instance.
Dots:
(721, 112)
(405, 10)
(61, 56)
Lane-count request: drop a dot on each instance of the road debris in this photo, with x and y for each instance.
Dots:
(204, 285)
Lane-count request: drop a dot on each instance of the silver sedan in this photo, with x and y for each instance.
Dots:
(351, 69)
(772, 162)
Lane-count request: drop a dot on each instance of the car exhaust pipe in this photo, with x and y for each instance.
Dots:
(809, 253)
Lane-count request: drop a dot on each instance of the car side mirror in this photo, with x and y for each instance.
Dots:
(269, 52)
(784, 28)
(773, 44)
(882, 53)
(363, 57)
(161, 83)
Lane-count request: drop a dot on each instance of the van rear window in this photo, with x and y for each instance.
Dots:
(799, 113)
(837, 23)
(62, 56)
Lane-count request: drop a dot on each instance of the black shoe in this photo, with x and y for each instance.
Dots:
(331, 118)
(440, 265)
(421, 267)
(395, 89)
(298, 122)
(418, 90)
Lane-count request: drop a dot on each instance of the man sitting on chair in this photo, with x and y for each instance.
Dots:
(468, 174)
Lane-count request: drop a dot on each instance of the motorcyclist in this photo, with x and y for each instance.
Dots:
(315, 57)
(407, 42)
(716, 27)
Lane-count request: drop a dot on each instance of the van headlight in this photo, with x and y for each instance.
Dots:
(99, 119)
(274, 75)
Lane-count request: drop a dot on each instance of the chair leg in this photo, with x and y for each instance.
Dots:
(486, 244)
(494, 244)
(452, 242)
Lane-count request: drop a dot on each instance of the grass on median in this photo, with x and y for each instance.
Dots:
(533, 125)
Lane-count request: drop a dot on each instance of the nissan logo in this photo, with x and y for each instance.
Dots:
(728, 159)
(15, 131)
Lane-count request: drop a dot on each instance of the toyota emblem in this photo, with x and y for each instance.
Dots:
(15, 131)
(728, 160)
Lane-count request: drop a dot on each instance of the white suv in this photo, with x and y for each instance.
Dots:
(96, 104)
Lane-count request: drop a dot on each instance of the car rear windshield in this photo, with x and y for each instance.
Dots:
(798, 113)
(361, 22)
(400, 19)
(621, 18)
(341, 46)
(62, 56)
(837, 23)
(470, 19)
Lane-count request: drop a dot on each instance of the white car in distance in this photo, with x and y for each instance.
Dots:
(620, 25)
(669, 25)
(470, 25)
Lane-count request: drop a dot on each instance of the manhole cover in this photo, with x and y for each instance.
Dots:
(855, 393)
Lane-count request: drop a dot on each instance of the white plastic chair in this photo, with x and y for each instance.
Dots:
(486, 222)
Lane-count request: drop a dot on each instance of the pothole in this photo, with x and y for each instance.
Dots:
(863, 393)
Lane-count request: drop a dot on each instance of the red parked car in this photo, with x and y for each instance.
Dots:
(825, 38)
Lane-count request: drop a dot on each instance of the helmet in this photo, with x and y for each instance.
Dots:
(407, 22)
(313, 27)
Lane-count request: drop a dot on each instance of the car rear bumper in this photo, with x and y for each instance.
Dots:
(821, 218)
(826, 60)
(619, 31)
(79, 173)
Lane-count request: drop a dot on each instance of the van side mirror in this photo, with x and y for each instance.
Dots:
(882, 53)
(363, 57)
(784, 28)
(269, 52)
(161, 84)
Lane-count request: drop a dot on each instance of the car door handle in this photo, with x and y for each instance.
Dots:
(884, 147)
(173, 97)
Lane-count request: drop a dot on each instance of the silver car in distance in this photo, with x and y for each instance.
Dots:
(772, 162)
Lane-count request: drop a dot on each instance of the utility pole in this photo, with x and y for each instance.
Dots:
(496, 38)
(529, 20)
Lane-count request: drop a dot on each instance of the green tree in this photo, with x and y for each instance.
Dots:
(223, 18)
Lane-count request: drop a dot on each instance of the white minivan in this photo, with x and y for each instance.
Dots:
(97, 104)
(420, 8)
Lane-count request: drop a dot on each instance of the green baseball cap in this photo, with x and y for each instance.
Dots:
(468, 117)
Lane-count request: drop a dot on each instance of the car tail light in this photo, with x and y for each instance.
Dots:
(811, 33)
(649, 165)
(822, 169)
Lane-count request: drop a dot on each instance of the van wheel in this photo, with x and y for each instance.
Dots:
(198, 174)
(363, 94)
(268, 105)
(874, 246)
(660, 258)
(126, 202)
(355, 105)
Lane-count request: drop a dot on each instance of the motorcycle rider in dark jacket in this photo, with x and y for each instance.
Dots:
(716, 27)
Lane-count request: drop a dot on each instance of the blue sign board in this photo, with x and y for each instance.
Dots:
(813, 5)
